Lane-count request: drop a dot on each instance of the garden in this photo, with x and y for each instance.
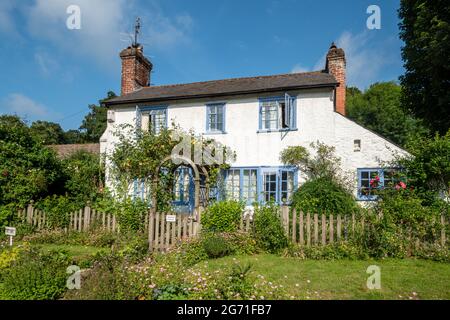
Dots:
(402, 234)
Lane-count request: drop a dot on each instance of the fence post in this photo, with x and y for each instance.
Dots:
(331, 229)
(30, 210)
(294, 225)
(247, 223)
(156, 245)
(285, 215)
(150, 230)
(338, 228)
(163, 221)
(87, 217)
(442, 230)
(308, 229)
(179, 226)
(300, 231)
(324, 230)
(316, 228)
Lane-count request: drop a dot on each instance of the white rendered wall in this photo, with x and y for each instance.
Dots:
(316, 121)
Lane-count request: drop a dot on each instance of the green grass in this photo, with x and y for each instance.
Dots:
(82, 255)
(346, 279)
(73, 250)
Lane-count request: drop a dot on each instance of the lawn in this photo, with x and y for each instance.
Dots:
(81, 254)
(346, 279)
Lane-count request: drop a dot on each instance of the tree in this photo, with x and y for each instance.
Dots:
(47, 132)
(73, 137)
(428, 168)
(83, 176)
(379, 109)
(28, 170)
(323, 165)
(425, 29)
(328, 188)
(94, 124)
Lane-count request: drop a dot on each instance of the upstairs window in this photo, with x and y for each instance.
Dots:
(215, 118)
(277, 113)
(154, 120)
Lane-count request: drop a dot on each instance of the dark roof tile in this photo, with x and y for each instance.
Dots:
(228, 87)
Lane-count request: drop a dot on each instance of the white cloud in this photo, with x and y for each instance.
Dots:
(23, 106)
(299, 68)
(7, 25)
(365, 57)
(47, 64)
(103, 23)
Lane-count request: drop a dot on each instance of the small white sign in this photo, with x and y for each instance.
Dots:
(171, 218)
(10, 231)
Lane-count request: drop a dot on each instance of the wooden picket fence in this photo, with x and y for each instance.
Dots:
(82, 220)
(164, 230)
(314, 229)
(167, 230)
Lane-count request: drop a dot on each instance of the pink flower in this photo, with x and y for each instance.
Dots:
(400, 185)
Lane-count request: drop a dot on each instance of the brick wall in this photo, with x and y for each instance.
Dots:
(336, 66)
(135, 70)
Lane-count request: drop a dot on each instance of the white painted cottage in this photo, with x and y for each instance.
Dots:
(257, 117)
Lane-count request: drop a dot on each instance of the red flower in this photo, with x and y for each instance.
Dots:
(400, 185)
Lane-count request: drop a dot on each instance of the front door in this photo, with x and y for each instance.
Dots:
(184, 190)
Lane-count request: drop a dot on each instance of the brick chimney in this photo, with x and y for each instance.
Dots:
(135, 69)
(335, 65)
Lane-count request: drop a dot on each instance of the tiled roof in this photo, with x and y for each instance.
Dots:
(234, 86)
(66, 150)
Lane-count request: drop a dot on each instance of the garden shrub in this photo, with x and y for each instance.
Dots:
(106, 280)
(215, 246)
(130, 212)
(241, 242)
(323, 195)
(7, 214)
(336, 251)
(35, 275)
(402, 226)
(268, 229)
(223, 216)
(57, 210)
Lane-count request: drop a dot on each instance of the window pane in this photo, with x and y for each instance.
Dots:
(232, 185)
(270, 187)
(215, 119)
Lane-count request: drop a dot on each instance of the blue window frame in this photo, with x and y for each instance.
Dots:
(233, 184)
(152, 118)
(277, 113)
(287, 182)
(372, 180)
(249, 185)
(270, 186)
(215, 118)
(261, 184)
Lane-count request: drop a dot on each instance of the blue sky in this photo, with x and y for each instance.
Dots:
(49, 72)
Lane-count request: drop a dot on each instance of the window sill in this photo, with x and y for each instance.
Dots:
(214, 132)
(369, 198)
(275, 130)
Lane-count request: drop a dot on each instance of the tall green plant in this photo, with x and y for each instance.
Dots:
(268, 228)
